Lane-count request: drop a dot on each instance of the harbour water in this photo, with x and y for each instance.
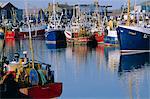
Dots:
(91, 73)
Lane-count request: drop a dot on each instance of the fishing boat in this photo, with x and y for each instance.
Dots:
(55, 32)
(10, 34)
(34, 83)
(38, 26)
(109, 26)
(74, 32)
(81, 30)
(36, 31)
(111, 33)
(10, 26)
(97, 28)
(30, 78)
(111, 38)
(133, 38)
(77, 35)
(55, 36)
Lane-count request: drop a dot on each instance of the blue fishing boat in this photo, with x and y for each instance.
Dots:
(55, 37)
(111, 38)
(133, 38)
(55, 32)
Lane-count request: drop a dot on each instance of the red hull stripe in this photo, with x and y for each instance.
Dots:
(68, 33)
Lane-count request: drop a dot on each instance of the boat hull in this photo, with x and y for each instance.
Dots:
(99, 37)
(34, 34)
(10, 35)
(55, 37)
(111, 38)
(76, 39)
(50, 90)
(133, 40)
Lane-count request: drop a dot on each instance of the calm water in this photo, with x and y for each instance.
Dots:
(92, 73)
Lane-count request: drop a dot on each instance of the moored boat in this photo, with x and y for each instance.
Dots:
(36, 31)
(55, 36)
(9, 34)
(24, 77)
(111, 32)
(55, 31)
(37, 82)
(77, 37)
(111, 38)
(133, 38)
(99, 36)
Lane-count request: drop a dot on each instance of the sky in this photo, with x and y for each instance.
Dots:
(44, 3)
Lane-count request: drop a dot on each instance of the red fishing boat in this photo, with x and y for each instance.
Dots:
(10, 34)
(33, 89)
(99, 37)
(48, 89)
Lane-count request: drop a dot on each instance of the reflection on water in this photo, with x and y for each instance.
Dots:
(11, 46)
(129, 63)
(134, 70)
(113, 60)
(55, 46)
(1, 45)
(91, 72)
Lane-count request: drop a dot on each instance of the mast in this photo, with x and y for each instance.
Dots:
(30, 38)
(49, 14)
(135, 9)
(40, 15)
(98, 14)
(128, 14)
(98, 23)
(54, 14)
(13, 14)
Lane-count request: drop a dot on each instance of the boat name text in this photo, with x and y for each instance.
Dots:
(132, 33)
(145, 36)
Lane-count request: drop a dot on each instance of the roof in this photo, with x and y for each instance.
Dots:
(3, 5)
(65, 6)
